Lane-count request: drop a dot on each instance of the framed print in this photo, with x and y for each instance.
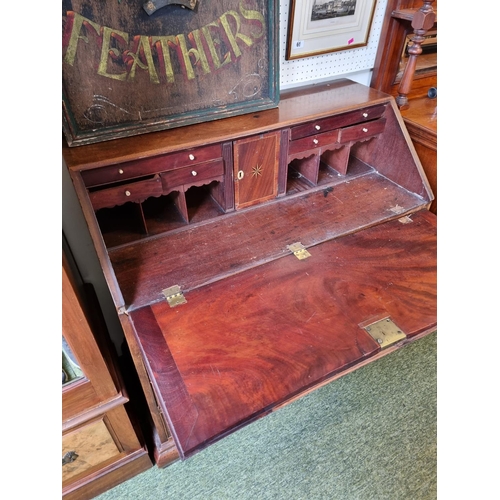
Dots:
(135, 66)
(320, 26)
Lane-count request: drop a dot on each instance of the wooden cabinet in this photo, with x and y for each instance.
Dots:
(305, 251)
(420, 112)
(100, 446)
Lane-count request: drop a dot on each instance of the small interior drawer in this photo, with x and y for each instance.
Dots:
(133, 191)
(85, 448)
(148, 166)
(191, 175)
(312, 142)
(362, 131)
(358, 116)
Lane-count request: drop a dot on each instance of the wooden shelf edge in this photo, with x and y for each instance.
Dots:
(129, 466)
(407, 14)
(94, 411)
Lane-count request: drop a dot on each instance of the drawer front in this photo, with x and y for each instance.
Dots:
(315, 141)
(134, 191)
(333, 122)
(85, 448)
(148, 166)
(362, 131)
(191, 175)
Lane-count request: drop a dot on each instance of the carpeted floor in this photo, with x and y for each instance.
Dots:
(368, 435)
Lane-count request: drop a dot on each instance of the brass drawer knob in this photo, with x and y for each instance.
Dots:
(127, 193)
(191, 157)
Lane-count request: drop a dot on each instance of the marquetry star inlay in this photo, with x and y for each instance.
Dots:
(256, 171)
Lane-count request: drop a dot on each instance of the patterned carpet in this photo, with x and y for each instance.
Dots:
(370, 435)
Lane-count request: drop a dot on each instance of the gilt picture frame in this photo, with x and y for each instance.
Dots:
(319, 27)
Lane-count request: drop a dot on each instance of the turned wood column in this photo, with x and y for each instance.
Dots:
(423, 20)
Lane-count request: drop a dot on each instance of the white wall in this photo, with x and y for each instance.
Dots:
(355, 64)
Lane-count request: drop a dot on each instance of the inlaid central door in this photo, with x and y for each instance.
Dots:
(256, 163)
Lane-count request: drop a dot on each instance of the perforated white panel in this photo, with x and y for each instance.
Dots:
(307, 70)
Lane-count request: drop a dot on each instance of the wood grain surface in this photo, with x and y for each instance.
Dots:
(246, 239)
(296, 106)
(244, 345)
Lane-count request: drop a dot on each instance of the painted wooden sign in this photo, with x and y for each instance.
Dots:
(131, 66)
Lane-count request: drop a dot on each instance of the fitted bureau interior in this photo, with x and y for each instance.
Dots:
(134, 221)
(328, 178)
(215, 211)
(138, 200)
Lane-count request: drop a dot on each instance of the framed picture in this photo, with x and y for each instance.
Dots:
(321, 26)
(136, 66)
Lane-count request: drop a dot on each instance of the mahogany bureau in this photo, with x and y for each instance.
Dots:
(254, 258)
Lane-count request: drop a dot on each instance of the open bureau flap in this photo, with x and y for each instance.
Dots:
(255, 258)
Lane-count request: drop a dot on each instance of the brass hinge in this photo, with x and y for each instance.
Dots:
(385, 332)
(174, 296)
(299, 250)
(397, 209)
(405, 220)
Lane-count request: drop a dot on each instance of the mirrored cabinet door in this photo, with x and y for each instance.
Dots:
(101, 447)
(86, 377)
(71, 371)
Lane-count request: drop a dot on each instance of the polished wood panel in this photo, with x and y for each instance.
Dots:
(149, 166)
(421, 122)
(112, 475)
(312, 142)
(423, 118)
(133, 192)
(316, 101)
(423, 20)
(361, 132)
(193, 258)
(396, 26)
(241, 346)
(260, 327)
(93, 444)
(420, 112)
(343, 120)
(192, 175)
(81, 395)
(256, 164)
